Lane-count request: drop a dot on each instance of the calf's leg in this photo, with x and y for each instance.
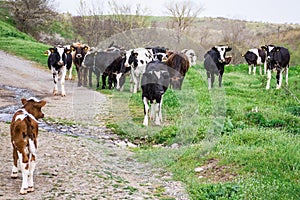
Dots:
(14, 171)
(269, 79)
(146, 111)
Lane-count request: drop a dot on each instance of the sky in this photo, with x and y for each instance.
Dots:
(272, 11)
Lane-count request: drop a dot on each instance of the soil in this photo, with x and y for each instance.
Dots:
(77, 161)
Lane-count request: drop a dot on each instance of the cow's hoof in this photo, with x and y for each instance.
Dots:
(63, 95)
(30, 189)
(55, 92)
(14, 175)
(23, 191)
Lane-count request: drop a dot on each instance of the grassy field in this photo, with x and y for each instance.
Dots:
(242, 139)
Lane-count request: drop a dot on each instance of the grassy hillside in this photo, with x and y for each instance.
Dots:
(20, 44)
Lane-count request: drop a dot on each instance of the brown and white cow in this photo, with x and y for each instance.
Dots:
(79, 52)
(24, 133)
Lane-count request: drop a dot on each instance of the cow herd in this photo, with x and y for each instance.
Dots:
(150, 64)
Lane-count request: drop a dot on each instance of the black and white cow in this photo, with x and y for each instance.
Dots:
(255, 57)
(155, 82)
(69, 61)
(214, 62)
(137, 59)
(57, 64)
(278, 59)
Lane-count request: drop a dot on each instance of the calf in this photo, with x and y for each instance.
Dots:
(179, 65)
(214, 62)
(69, 61)
(137, 59)
(24, 133)
(57, 64)
(80, 50)
(278, 59)
(256, 57)
(155, 82)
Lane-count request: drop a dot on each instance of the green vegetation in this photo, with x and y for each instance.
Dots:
(18, 43)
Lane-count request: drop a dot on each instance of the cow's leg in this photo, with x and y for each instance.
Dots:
(250, 68)
(14, 171)
(85, 74)
(104, 80)
(269, 79)
(260, 70)
(90, 77)
(70, 72)
(55, 80)
(265, 67)
(98, 79)
(279, 79)
(160, 106)
(209, 80)
(152, 112)
(30, 177)
(220, 80)
(157, 111)
(62, 81)
(254, 70)
(146, 111)
(79, 76)
(287, 76)
(212, 80)
(132, 80)
(25, 172)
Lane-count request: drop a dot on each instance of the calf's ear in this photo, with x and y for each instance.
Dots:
(264, 48)
(24, 101)
(278, 48)
(42, 103)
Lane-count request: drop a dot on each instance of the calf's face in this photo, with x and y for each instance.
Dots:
(222, 51)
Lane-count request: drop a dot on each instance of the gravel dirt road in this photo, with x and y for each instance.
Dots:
(88, 166)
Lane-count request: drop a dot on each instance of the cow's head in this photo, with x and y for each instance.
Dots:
(271, 52)
(131, 59)
(222, 49)
(58, 56)
(80, 50)
(34, 106)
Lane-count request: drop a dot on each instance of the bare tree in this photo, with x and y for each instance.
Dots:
(184, 14)
(126, 17)
(31, 15)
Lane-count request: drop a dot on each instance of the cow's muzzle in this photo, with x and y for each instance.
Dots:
(78, 56)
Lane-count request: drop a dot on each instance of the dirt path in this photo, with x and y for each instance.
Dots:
(90, 166)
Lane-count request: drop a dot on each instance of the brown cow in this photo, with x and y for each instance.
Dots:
(78, 54)
(179, 65)
(24, 133)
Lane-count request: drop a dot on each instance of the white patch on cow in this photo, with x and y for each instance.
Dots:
(222, 50)
(32, 148)
(25, 173)
(146, 107)
(24, 115)
(61, 51)
(190, 53)
(34, 99)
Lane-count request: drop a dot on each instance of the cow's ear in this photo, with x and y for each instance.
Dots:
(72, 48)
(136, 54)
(264, 48)
(24, 101)
(42, 103)
(277, 48)
(51, 49)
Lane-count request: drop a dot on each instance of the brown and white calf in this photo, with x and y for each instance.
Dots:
(24, 133)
